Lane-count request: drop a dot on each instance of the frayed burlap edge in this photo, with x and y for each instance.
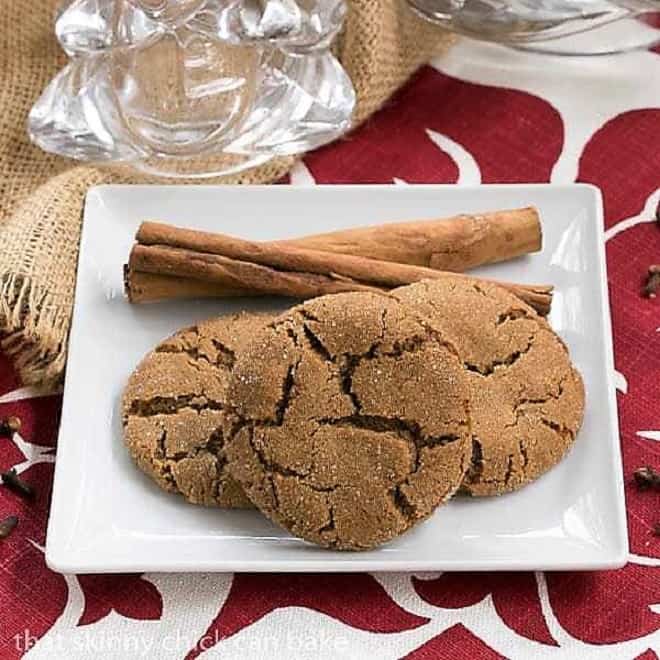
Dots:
(34, 341)
(35, 317)
(382, 44)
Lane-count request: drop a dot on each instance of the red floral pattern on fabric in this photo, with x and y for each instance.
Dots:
(356, 600)
(395, 144)
(621, 158)
(32, 596)
(647, 655)
(604, 608)
(634, 322)
(633, 139)
(128, 595)
(514, 595)
(454, 642)
(513, 136)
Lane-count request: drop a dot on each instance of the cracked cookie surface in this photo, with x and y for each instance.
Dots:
(173, 410)
(351, 420)
(527, 399)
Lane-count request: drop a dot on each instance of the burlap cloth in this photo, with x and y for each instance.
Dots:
(42, 195)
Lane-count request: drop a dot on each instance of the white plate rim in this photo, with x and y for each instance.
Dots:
(61, 563)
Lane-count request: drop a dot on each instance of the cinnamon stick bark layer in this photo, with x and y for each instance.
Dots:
(267, 269)
(455, 244)
(241, 274)
(148, 288)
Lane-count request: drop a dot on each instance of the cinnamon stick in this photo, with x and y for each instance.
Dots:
(200, 246)
(235, 274)
(455, 244)
(149, 287)
(291, 271)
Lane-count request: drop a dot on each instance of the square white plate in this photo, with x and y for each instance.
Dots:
(107, 517)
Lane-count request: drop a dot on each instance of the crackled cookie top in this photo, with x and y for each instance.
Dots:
(173, 410)
(527, 399)
(351, 420)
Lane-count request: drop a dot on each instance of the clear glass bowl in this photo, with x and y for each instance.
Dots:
(565, 27)
(194, 88)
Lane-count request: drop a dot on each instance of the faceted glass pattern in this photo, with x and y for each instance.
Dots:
(194, 87)
(566, 27)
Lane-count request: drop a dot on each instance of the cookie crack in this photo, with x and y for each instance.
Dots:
(162, 405)
(523, 455)
(560, 429)
(346, 372)
(166, 469)
(509, 470)
(377, 423)
(402, 504)
(409, 431)
(349, 363)
(441, 341)
(479, 290)
(330, 528)
(192, 351)
(220, 463)
(268, 473)
(476, 468)
(512, 314)
(383, 324)
(271, 467)
(383, 424)
(493, 366)
(214, 445)
(550, 396)
(288, 386)
(226, 357)
(306, 314)
(316, 344)
(519, 411)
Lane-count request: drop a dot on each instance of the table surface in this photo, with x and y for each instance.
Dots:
(480, 114)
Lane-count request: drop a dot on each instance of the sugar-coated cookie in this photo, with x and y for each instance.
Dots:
(173, 409)
(351, 420)
(527, 399)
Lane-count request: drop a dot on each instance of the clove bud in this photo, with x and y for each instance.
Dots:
(16, 484)
(7, 526)
(652, 281)
(647, 478)
(10, 425)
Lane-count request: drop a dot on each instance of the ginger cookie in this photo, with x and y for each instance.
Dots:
(351, 420)
(527, 399)
(173, 410)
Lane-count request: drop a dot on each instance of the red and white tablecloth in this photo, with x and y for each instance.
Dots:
(480, 114)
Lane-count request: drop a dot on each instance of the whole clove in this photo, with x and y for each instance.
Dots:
(652, 281)
(646, 478)
(7, 526)
(16, 484)
(10, 425)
